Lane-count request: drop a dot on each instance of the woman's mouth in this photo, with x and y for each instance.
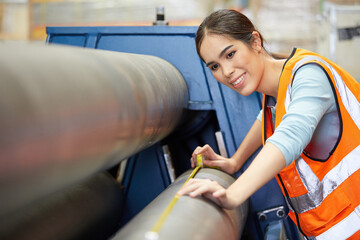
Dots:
(238, 82)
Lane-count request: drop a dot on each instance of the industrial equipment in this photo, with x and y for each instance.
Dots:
(133, 102)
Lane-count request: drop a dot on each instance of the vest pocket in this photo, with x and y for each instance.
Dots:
(333, 209)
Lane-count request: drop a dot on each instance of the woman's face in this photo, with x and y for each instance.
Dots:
(232, 62)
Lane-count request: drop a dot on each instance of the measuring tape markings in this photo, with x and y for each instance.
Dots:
(154, 233)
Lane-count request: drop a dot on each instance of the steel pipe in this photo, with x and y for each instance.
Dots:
(67, 113)
(89, 210)
(190, 218)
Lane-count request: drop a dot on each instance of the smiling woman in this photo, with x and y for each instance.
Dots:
(306, 146)
(237, 52)
(238, 65)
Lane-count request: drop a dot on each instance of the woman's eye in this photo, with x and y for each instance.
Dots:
(214, 67)
(231, 54)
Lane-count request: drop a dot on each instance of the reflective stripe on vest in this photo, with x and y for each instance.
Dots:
(351, 223)
(319, 190)
(347, 97)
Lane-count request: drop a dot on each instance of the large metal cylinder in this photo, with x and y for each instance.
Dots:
(89, 210)
(67, 113)
(190, 218)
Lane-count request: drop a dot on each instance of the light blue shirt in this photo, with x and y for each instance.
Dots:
(312, 97)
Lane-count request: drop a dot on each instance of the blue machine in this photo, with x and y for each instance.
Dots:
(212, 108)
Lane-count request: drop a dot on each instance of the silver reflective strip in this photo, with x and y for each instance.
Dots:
(319, 190)
(344, 229)
(350, 102)
(295, 68)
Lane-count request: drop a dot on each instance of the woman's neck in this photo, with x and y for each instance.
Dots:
(272, 72)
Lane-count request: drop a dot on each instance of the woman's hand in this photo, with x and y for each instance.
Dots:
(212, 159)
(211, 190)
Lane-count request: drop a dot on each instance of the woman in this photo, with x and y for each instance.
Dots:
(309, 129)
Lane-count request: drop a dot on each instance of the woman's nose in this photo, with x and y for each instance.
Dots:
(228, 70)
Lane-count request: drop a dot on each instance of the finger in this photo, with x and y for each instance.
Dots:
(212, 198)
(198, 150)
(193, 157)
(204, 188)
(215, 163)
(221, 193)
(193, 185)
(205, 150)
(190, 186)
(208, 150)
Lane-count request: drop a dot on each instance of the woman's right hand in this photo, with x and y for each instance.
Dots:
(212, 159)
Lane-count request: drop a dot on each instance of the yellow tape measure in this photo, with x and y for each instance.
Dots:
(200, 160)
(153, 234)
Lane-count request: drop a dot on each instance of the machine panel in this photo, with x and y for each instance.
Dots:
(211, 108)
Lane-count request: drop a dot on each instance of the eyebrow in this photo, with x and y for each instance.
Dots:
(221, 54)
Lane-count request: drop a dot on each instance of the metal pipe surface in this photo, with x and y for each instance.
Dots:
(67, 113)
(89, 210)
(190, 218)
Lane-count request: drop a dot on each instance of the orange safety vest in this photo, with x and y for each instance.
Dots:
(322, 186)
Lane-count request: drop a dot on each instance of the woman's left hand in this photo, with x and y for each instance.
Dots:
(211, 190)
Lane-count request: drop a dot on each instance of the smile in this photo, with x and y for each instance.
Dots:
(238, 81)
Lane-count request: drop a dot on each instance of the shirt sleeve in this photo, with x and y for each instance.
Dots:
(311, 97)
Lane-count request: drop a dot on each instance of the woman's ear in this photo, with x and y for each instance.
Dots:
(256, 42)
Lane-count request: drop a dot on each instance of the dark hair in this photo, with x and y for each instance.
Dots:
(226, 22)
